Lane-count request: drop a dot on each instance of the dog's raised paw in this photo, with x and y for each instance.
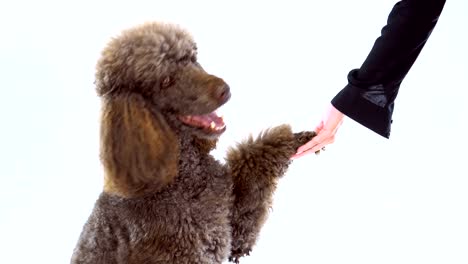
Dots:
(303, 137)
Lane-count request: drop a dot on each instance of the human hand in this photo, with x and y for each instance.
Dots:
(326, 130)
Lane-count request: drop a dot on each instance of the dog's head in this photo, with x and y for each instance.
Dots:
(159, 62)
(154, 91)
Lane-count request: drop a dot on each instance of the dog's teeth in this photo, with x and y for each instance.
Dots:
(212, 125)
(220, 127)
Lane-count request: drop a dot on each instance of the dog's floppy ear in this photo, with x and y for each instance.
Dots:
(139, 151)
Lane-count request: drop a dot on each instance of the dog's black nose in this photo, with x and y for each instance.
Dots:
(223, 93)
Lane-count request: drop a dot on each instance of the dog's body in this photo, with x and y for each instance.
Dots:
(188, 222)
(166, 199)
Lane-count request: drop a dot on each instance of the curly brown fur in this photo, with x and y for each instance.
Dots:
(165, 198)
(255, 166)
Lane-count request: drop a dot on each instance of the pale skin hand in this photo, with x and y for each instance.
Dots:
(326, 130)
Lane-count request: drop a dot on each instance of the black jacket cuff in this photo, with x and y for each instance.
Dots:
(350, 102)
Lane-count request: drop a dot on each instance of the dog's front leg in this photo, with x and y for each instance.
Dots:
(256, 165)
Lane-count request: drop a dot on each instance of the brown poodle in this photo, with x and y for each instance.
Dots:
(165, 198)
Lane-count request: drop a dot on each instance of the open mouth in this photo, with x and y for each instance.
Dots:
(210, 123)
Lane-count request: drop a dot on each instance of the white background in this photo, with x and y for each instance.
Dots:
(365, 200)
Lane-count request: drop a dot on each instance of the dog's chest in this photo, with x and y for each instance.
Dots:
(188, 220)
(193, 214)
(203, 182)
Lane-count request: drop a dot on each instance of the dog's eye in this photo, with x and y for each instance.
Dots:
(166, 82)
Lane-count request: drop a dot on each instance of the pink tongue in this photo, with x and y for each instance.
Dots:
(215, 118)
(204, 120)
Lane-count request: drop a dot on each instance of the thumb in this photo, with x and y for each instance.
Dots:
(319, 127)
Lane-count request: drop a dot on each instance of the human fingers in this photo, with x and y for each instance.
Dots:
(313, 146)
(314, 140)
(319, 148)
(309, 145)
(302, 154)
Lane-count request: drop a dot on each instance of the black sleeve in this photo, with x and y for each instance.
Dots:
(369, 96)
